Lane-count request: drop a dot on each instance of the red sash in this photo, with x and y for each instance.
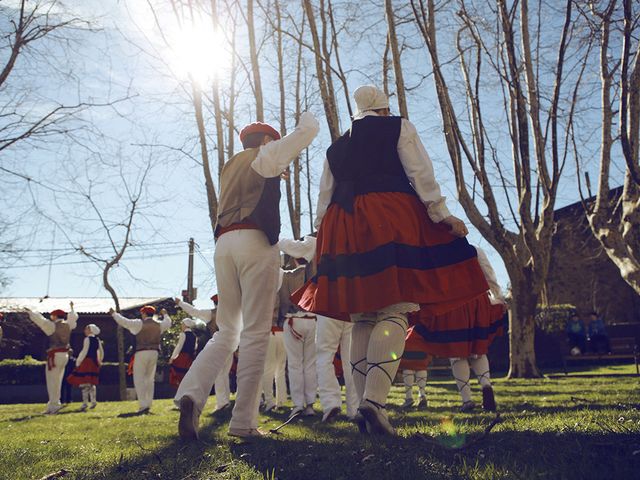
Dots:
(51, 356)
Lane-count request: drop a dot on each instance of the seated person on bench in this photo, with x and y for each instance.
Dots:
(598, 338)
(577, 335)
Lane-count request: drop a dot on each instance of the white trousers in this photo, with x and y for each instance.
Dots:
(54, 379)
(275, 369)
(144, 376)
(223, 390)
(331, 334)
(301, 360)
(247, 276)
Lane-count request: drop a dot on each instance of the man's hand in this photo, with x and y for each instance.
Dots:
(456, 226)
(285, 175)
(177, 301)
(71, 305)
(163, 312)
(111, 311)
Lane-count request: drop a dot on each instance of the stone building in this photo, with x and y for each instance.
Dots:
(582, 274)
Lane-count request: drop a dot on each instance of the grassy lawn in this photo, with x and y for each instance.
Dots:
(581, 426)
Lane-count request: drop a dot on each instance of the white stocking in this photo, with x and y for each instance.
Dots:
(461, 372)
(360, 334)
(421, 380)
(480, 366)
(386, 346)
(409, 378)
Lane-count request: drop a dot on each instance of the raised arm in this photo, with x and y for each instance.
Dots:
(419, 168)
(83, 352)
(165, 323)
(204, 315)
(178, 348)
(327, 186)
(100, 352)
(133, 325)
(490, 275)
(72, 317)
(275, 157)
(47, 326)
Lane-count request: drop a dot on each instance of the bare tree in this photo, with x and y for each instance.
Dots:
(501, 37)
(395, 54)
(119, 235)
(615, 218)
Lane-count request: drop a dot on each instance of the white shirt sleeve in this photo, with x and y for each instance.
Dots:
(165, 324)
(490, 275)
(47, 326)
(327, 186)
(299, 248)
(419, 168)
(205, 315)
(275, 157)
(72, 319)
(176, 351)
(100, 352)
(133, 325)
(83, 352)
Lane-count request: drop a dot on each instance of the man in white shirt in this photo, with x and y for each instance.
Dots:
(59, 332)
(148, 332)
(246, 263)
(221, 384)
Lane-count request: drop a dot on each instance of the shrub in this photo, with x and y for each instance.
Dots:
(553, 318)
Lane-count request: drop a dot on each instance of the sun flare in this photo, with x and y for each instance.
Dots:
(198, 53)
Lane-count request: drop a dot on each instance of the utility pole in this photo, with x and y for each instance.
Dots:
(189, 293)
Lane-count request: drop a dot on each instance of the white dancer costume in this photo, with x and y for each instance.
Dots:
(59, 333)
(276, 362)
(221, 384)
(246, 264)
(147, 332)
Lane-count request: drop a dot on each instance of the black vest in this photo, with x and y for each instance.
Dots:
(92, 353)
(365, 160)
(189, 345)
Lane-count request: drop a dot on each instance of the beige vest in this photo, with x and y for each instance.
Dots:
(60, 338)
(246, 196)
(291, 281)
(149, 337)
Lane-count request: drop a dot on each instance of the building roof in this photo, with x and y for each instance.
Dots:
(81, 305)
(572, 208)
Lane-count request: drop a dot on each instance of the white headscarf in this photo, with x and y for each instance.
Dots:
(368, 97)
(93, 328)
(193, 323)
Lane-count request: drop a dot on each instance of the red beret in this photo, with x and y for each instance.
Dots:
(259, 127)
(59, 313)
(215, 298)
(148, 309)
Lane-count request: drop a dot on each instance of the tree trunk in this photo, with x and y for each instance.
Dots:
(202, 135)
(255, 66)
(395, 53)
(122, 371)
(522, 354)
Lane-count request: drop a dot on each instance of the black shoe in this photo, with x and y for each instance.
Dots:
(488, 400)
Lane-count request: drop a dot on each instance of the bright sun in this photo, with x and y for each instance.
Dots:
(199, 53)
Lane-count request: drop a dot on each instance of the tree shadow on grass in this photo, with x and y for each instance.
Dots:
(337, 451)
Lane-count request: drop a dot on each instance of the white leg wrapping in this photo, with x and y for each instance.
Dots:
(480, 366)
(409, 378)
(461, 372)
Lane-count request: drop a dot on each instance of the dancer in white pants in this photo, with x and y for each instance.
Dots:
(221, 384)
(59, 332)
(276, 362)
(332, 334)
(246, 263)
(148, 331)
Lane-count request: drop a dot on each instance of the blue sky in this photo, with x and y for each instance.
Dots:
(125, 58)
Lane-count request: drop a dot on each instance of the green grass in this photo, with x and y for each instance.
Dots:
(581, 426)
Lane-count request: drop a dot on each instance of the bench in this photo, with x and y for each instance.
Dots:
(622, 348)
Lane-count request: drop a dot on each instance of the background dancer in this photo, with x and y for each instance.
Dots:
(86, 375)
(58, 329)
(221, 385)
(147, 331)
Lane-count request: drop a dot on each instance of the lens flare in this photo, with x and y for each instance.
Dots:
(450, 434)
